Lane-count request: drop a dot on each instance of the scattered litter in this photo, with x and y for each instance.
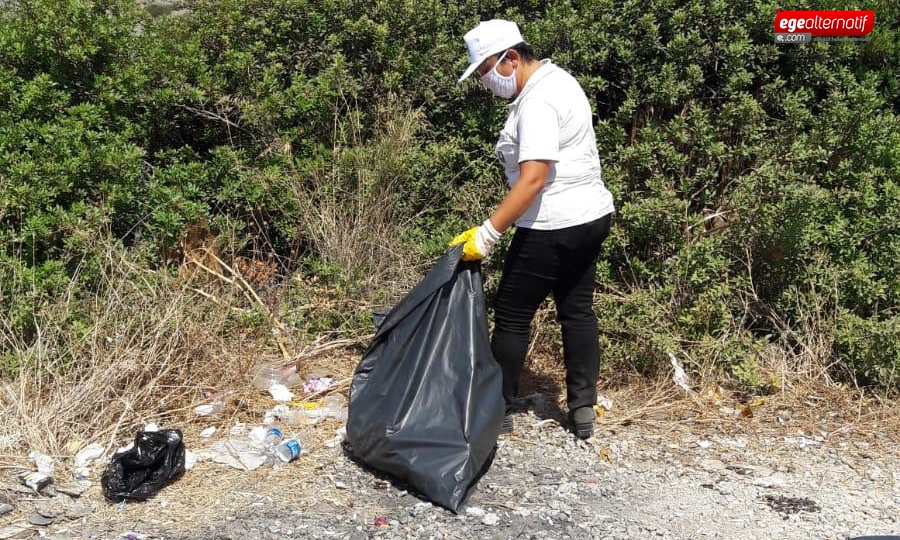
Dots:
(43, 462)
(704, 444)
(491, 519)
(605, 454)
(151, 427)
(156, 460)
(257, 437)
(241, 455)
(339, 437)
(335, 406)
(84, 458)
(317, 384)
(280, 392)
(239, 428)
(680, 377)
(35, 480)
(382, 522)
(130, 535)
(208, 432)
(210, 409)
(605, 402)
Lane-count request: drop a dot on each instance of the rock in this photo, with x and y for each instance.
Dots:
(15, 531)
(73, 489)
(78, 511)
(475, 511)
(54, 508)
(775, 480)
(725, 488)
(491, 519)
(711, 465)
(874, 474)
(38, 519)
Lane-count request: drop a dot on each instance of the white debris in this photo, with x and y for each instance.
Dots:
(84, 458)
(475, 511)
(680, 377)
(280, 392)
(43, 462)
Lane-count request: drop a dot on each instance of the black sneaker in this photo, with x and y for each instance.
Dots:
(581, 422)
(508, 424)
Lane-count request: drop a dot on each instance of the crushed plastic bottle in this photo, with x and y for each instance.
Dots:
(288, 450)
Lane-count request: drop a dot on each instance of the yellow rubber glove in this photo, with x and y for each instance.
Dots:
(470, 250)
(477, 241)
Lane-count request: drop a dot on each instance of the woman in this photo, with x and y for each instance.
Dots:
(560, 207)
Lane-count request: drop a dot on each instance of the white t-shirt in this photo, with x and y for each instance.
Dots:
(551, 120)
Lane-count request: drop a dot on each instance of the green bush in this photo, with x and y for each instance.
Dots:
(751, 179)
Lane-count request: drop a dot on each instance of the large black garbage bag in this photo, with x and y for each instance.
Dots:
(425, 402)
(155, 460)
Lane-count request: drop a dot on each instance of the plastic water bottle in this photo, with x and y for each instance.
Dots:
(288, 451)
(272, 439)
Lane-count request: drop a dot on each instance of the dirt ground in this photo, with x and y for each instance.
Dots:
(809, 463)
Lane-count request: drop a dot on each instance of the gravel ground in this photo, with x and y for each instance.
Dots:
(652, 479)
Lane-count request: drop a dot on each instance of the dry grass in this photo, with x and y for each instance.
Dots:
(155, 347)
(353, 209)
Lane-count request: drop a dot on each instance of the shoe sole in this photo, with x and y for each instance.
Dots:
(584, 431)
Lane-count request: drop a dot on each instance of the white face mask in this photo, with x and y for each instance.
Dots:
(502, 87)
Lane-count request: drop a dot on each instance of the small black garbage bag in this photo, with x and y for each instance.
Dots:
(155, 460)
(425, 401)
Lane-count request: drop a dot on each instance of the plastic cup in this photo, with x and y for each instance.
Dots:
(265, 376)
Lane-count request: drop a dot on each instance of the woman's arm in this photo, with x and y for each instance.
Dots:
(532, 177)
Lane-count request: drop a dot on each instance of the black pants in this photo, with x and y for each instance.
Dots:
(563, 262)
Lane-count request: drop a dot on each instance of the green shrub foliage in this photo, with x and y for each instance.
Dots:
(757, 185)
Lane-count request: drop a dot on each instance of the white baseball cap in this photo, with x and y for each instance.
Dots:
(489, 37)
